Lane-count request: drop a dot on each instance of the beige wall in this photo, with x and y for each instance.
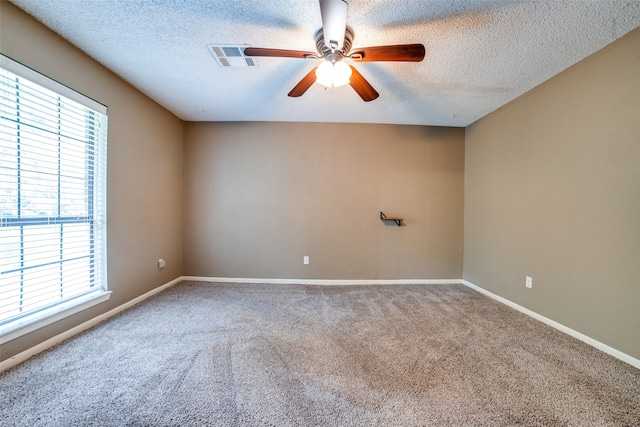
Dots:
(552, 190)
(144, 168)
(260, 196)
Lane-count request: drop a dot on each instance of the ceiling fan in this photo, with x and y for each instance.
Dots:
(333, 42)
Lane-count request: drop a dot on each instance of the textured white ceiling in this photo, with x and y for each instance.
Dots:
(480, 54)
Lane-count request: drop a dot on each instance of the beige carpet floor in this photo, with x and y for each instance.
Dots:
(290, 355)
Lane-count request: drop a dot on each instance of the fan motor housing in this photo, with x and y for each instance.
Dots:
(324, 51)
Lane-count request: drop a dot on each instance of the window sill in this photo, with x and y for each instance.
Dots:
(28, 324)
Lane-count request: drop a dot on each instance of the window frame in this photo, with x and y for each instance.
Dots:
(44, 316)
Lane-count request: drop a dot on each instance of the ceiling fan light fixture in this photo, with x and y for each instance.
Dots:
(333, 75)
(324, 74)
(341, 74)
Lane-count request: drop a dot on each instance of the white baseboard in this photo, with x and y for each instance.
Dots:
(21, 357)
(326, 282)
(594, 343)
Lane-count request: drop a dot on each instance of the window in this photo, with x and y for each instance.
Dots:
(52, 201)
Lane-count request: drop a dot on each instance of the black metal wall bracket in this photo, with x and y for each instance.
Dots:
(398, 221)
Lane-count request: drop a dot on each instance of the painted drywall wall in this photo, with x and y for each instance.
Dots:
(260, 196)
(552, 191)
(144, 169)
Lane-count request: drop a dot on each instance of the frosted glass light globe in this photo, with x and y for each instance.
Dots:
(324, 74)
(333, 75)
(341, 74)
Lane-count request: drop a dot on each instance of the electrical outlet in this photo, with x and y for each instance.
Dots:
(161, 264)
(528, 282)
(306, 259)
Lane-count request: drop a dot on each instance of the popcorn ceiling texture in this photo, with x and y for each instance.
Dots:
(481, 54)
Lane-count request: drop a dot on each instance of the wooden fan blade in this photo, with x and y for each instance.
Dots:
(398, 52)
(279, 53)
(362, 86)
(304, 84)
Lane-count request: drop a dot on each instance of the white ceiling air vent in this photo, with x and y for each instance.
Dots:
(231, 56)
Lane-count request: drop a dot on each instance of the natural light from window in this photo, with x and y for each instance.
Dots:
(52, 201)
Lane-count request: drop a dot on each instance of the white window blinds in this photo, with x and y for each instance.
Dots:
(52, 199)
